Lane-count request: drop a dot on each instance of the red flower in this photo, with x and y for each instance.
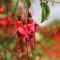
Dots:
(9, 19)
(30, 21)
(2, 22)
(32, 29)
(19, 24)
(25, 35)
(31, 26)
(24, 32)
(1, 9)
(9, 23)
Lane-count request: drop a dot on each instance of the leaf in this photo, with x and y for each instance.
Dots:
(14, 5)
(6, 6)
(9, 56)
(45, 11)
(2, 54)
(28, 3)
(1, 46)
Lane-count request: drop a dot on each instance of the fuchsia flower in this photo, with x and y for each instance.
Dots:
(2, 22)
(32, 29)
(25, 32)
(32, 26)
(25, 35)
(9, 20)
(8, 23)
(1, 9)
(19, 31)
(19, 24)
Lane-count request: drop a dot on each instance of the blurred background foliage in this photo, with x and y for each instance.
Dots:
(47, 38)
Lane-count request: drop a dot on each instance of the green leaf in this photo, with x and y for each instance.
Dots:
(2, 54)
(28, 3)
(14, 5)
(1, 46)
(6, 6)
(45, 11)
(9, 56)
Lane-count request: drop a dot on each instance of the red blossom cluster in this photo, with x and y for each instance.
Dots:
(26, 32)
(6, 23)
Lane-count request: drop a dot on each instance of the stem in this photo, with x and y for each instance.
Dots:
(27, 45)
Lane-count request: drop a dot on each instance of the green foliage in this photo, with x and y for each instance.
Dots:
(45, 11)
(28, 3)
(6, 7)
(9, 56)
(11, 43)
(6, 55)
(14, 5)
(2, 54)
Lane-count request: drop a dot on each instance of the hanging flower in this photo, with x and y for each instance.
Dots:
(1, 9)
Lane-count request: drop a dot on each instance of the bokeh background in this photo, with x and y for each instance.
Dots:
(47, 38)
